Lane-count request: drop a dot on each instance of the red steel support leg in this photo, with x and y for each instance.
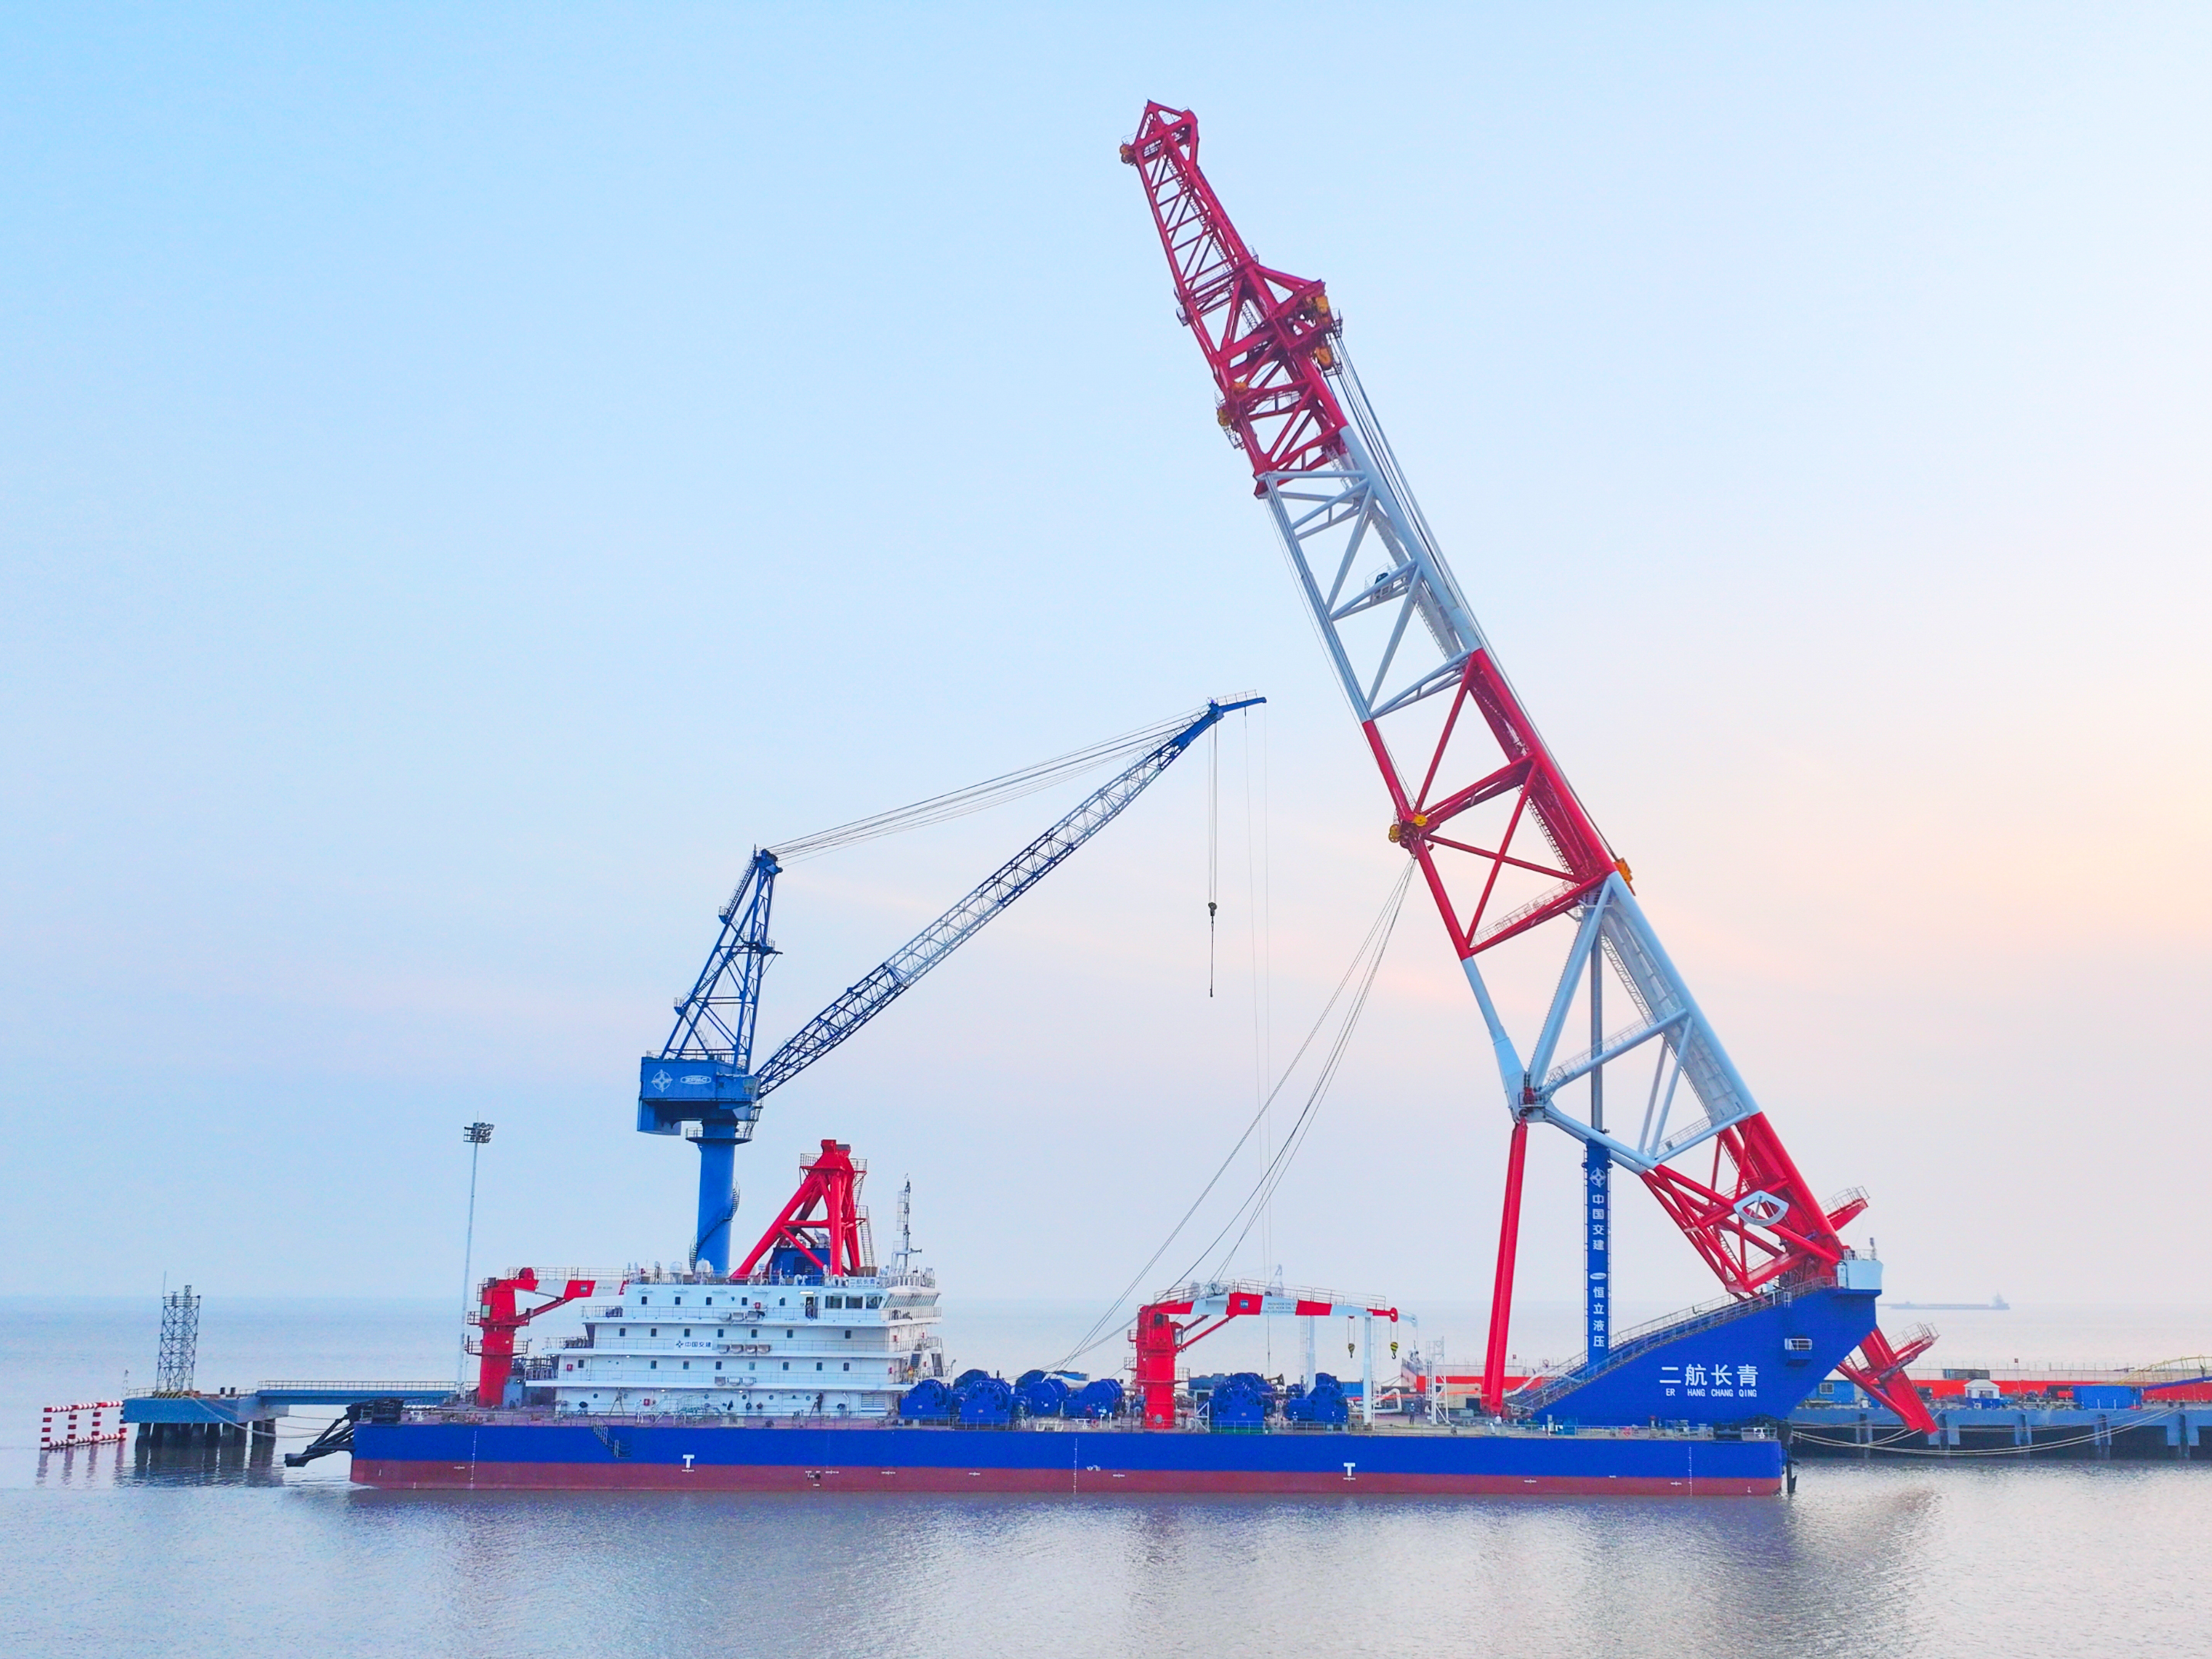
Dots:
(1501, 1289)
(1883, 1376)
(1157, 1344)
(496, 1317)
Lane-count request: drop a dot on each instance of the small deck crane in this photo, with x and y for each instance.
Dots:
(704, 1079)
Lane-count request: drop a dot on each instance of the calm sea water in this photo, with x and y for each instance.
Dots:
(2021, 1561)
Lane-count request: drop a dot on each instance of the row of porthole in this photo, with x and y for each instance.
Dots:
(751, 1403)
(654, 1365)
(655, 1331)
(827, 1301)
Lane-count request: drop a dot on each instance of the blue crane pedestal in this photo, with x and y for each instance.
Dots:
(674, 1094)
(718, 1195)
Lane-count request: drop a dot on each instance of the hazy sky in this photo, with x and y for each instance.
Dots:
(469, 475)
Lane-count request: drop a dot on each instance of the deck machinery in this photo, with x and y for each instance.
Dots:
(1506, 847)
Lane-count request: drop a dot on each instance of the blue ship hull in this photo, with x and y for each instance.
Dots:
(1742, 1362)
(708, 1456)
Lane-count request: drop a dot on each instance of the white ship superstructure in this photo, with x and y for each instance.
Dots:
(841, 1348)
(808, 1326)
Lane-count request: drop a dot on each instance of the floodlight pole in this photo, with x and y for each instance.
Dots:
(476, 1135)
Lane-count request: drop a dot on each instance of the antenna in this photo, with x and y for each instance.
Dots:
(906, 1249)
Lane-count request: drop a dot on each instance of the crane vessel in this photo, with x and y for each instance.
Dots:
(809, 1365)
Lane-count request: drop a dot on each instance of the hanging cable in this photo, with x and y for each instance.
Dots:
(992, 792)
(1257, 1206)
(1378, 933)
(1266, 895)
(1212, 848)
(1252, 955)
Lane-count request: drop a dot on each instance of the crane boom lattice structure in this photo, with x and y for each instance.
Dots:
(1477, 800)
(703, 1080)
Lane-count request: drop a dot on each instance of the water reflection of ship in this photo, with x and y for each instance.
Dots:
(1996, 1304)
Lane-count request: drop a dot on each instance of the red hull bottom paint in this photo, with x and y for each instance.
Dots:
(394, 1474)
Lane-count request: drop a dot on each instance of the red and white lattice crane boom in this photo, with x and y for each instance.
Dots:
(1477, 799)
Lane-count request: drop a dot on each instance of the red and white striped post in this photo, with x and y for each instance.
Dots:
(82, 1423)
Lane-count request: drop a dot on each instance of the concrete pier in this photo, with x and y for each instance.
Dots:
(231, 1426)
(2152, 1431)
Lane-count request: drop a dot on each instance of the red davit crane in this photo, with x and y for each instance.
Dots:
(500, 1315)
(1484, 809)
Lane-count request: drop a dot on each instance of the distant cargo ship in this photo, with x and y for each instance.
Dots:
(1995, 1305)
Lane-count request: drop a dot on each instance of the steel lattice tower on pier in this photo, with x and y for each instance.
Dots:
(180, 1342)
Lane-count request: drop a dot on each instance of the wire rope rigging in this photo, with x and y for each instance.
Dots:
(703, 1083)
(1366, 961)
(1478, 802)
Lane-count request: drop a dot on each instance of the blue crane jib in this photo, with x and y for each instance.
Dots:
(703, 1072)
(704, 1076)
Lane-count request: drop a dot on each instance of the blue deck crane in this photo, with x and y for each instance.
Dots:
(704, 1075)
